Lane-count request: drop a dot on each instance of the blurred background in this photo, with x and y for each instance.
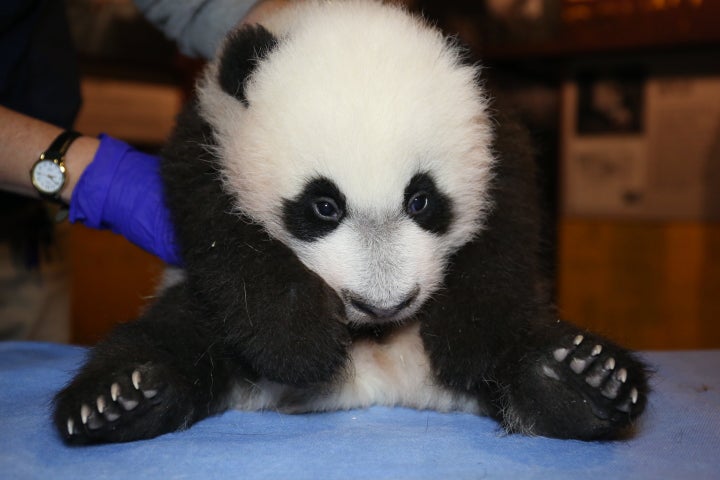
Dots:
(623, 101)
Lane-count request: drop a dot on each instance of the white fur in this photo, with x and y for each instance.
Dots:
(395, 372)
(366, 95)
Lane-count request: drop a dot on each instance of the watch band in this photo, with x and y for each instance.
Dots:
(59, 147)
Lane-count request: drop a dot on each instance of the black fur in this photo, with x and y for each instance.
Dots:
(437, 215)
(169, 346)
(494, 328)
(288, 330)
(299, 216)
(249, 308)
(490, 332)
(243, 51)
(285, 325)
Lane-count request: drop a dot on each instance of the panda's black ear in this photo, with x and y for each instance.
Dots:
(243, 51)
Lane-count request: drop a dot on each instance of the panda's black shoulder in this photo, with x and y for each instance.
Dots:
(510, 239)
(515, 181)
(190, 170)
(513, 148)
(202, 212)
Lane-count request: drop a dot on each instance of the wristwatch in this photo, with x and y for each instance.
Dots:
(48, 175)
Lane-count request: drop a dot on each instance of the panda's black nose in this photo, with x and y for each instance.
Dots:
(382, 312)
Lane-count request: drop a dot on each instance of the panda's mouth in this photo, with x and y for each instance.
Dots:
(363, 311)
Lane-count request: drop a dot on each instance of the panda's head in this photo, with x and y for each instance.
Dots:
(355, 134)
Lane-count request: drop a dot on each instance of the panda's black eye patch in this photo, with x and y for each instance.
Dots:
(316, 211)
(427, 205)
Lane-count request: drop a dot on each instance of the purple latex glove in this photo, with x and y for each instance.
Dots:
(121, 190)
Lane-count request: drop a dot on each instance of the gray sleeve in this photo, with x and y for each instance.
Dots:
(197, 26)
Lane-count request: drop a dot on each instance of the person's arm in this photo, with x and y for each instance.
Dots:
(109, 184)
(23, 139)
(198, 26)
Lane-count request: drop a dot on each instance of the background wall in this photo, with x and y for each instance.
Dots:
(649, 285)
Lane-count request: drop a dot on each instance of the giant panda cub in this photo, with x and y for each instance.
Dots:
(359, 226)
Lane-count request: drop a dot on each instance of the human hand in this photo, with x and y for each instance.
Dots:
(121, 190)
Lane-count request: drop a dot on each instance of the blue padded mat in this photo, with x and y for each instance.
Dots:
(679, 437)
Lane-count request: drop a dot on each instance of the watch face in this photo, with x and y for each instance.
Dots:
(48, 176)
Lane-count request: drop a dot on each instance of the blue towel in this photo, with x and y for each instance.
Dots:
(679, 436)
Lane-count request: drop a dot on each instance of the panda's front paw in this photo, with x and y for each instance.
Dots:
(127, 404)
(612, 381)
(580, 387)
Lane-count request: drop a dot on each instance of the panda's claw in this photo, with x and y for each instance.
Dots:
(100, 404)
(102, 410)
(610, 364)
(136, 379)
(84, 413)
(627, 405)
(115, 391)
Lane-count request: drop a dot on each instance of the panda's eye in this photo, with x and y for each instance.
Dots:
(417, 203)
(326, 209)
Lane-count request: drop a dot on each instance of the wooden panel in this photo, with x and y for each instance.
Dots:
(137, 112)
(601, 26)
(646, 285)
(111, 281)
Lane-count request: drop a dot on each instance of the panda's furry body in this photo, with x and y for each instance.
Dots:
(357, 228)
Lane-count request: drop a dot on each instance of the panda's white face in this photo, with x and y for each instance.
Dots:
(384, 259)
(361, 141)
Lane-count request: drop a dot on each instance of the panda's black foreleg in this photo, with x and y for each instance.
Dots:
(495, 333)
(284, 321)
(536, 374)
(291, 330)
(156, 375)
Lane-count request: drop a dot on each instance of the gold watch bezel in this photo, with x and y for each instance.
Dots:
(60, 166)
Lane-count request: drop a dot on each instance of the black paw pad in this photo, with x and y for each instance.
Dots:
(108, 409)
(607, 376)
